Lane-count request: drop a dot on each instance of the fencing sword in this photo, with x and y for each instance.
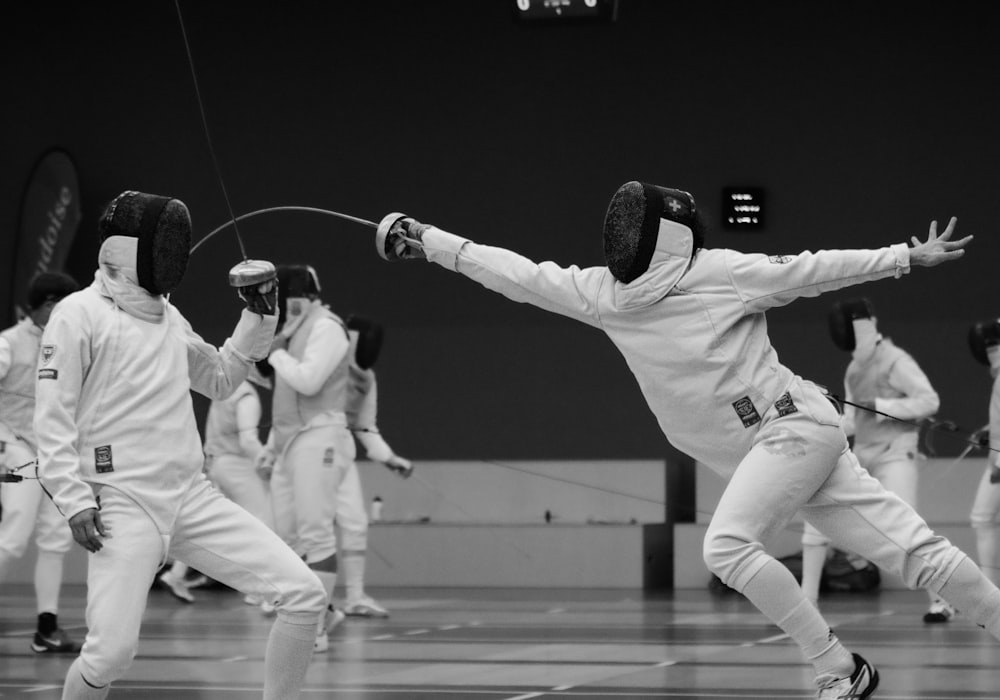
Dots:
(258, 274)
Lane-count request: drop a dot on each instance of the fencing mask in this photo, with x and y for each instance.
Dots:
(982, 336)
(297, 285)
(842, 318)
(632, 226)
(163, 227)
(369, 342)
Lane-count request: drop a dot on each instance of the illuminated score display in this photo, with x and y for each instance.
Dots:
(743, 208)
(565, 11)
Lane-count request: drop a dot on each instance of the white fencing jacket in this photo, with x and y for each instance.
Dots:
(692, 331)
(113, 402)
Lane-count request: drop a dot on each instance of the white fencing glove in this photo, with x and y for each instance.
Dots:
(400, 237)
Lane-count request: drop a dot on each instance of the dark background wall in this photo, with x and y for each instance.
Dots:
(863, 121)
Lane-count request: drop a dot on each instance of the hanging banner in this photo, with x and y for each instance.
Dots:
(50, 214)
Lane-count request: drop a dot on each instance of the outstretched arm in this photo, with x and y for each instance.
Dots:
(766, 281)
(569, 291)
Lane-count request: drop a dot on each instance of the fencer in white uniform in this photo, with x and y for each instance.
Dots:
(309, 446)
(894, 395)
(362, 418)
(984, 339)
(690, 323)
(121, 456)
(24, 506)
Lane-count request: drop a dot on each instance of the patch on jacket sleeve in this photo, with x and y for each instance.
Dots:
(48, 373)
(785, 405)
(746, 411)
(47, 353)
(780, 259)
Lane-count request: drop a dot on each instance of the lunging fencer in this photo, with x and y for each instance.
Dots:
(884, 380)
(984, 341)
(309, 447)
(25, 507)
(362, 418)
(121, 456)
(690, 322)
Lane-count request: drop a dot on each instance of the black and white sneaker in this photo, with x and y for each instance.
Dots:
(858, 686)
(56, 642)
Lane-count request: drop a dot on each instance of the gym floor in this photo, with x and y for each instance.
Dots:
(506, 644)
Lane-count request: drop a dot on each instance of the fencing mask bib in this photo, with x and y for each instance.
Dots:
(632, 225)
(298, 285)
(162, 226)
(845, 332)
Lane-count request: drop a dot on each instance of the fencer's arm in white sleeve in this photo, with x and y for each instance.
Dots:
(919, 399)
(217, 372)
(57, 396)
(248, 412)
(364, 425)
(326, 347)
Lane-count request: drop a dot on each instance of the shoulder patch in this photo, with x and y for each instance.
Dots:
(746, 411)
(780, 259)
(47, 352)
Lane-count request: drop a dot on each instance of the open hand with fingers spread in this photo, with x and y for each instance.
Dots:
(937, 249)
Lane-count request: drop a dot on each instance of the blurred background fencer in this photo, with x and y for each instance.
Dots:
(883, 380)
(309, 447)
(366, 336)
(24, 506)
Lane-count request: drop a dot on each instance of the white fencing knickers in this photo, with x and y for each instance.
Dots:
(304, 487)
(213, 535)
(801, 461)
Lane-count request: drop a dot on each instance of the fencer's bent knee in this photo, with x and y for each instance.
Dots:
(109, 661)
(305, 595)
(731, 557)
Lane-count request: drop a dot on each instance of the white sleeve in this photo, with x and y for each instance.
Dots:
(247, 421)
(919, 400)
(569, 291)
(6, 357)
(57, 394)
(217, 372)
(767, 281)
(376, 448)
(326, 348)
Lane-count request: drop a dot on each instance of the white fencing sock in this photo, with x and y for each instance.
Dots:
(289, 650)
(48, 581)
(777, 594)
(353, 566)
